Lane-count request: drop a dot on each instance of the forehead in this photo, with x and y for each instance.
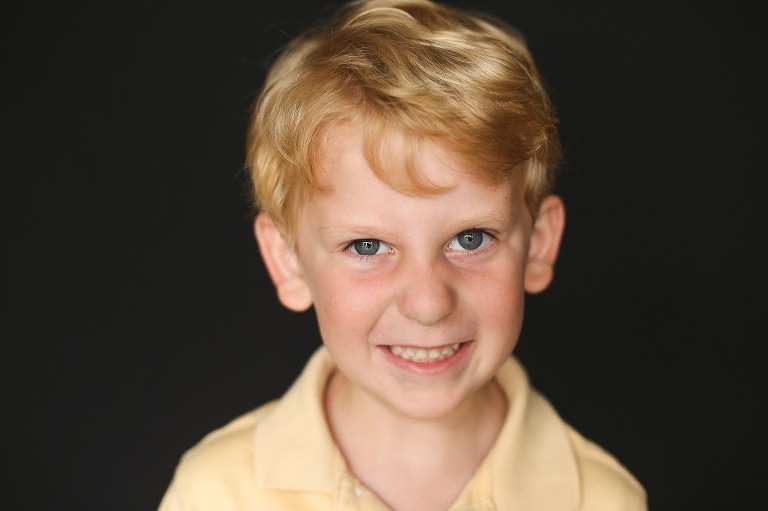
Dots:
(412, 165)
(407, 183)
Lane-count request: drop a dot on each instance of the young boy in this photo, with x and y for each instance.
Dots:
(402, 160)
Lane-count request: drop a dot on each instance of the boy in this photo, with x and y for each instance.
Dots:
(401, 159)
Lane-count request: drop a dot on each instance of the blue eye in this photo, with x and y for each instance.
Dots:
(469, 240)
(367, 247)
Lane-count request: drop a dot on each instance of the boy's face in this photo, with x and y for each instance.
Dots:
(419, 299)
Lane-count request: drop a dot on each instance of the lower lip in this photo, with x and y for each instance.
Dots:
(428, 368)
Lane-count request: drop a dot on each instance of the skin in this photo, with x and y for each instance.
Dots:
(420, 289)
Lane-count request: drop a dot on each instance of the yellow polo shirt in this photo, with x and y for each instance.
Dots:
(281, 457)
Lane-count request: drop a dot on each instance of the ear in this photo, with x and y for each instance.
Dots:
(545, 243)
(282, 265)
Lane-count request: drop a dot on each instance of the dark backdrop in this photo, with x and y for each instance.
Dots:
(138, 317)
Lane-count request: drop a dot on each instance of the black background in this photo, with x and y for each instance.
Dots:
(138, 317)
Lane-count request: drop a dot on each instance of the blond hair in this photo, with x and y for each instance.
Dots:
(426, 71)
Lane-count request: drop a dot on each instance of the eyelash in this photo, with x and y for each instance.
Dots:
(364, 257)
(464, 253)
(478, 251)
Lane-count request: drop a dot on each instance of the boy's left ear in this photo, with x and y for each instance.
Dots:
(545, 243)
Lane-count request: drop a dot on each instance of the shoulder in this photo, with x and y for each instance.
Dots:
(552, 466)
(219, 467)
(605, 483)
(226, 444)
(277, 457)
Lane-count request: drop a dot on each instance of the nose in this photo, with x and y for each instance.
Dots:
(426, 293)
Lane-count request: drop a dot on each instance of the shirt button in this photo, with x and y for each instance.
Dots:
(358, 492)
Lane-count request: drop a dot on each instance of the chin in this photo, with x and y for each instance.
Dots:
(428, 407)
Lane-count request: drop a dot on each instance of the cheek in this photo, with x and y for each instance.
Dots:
(499, 295)
(346, 305)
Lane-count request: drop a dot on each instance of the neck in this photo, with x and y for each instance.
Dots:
(388, 451)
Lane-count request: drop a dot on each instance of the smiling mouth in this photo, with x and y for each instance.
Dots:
(425, 355)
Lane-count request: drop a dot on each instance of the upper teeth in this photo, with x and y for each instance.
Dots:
(424, 355)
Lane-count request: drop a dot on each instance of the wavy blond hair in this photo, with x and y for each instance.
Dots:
(412, 67)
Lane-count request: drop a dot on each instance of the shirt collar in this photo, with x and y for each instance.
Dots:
(294, 449)
(531, 465)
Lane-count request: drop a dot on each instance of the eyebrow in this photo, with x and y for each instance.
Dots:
(365, 231)
(483, 220)
(347, 230)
